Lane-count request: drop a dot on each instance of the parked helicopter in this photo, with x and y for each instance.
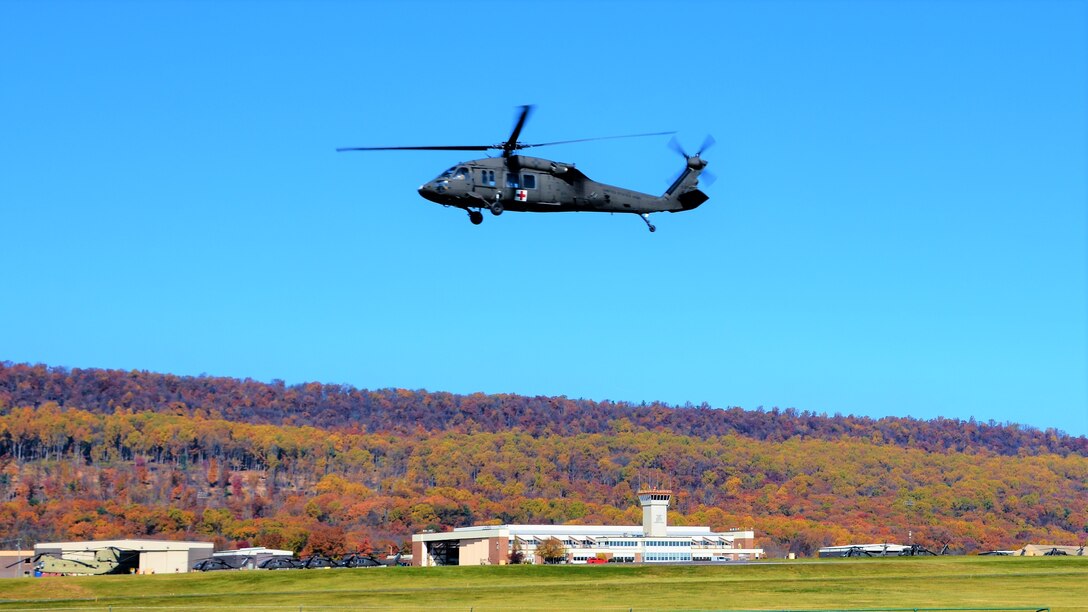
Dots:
(531, 184)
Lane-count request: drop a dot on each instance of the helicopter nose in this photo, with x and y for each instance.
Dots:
(428, 192)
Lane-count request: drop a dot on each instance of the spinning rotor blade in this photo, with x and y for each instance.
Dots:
(708, 142)
(558, 142)
(674, 144)
(512, 142)
(707, 178)
(507, 147)
(447, 148)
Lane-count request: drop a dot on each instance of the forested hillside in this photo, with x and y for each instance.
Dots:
(400, 410)
(103, 454)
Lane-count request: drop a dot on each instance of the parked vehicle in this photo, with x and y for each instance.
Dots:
(213, 564)
(275, 563)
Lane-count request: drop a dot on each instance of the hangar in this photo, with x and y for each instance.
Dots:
(155, 556)
(652, 542)
(1050, 550)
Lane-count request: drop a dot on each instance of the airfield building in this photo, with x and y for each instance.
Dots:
(652, 542)
(1049, 550)
(155, 556)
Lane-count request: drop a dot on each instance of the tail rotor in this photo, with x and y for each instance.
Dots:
(675, 145)
(695, 162)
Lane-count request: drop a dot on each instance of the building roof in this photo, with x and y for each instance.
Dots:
(581, 532)
(253, 551)
(144, 545)
(629, 531)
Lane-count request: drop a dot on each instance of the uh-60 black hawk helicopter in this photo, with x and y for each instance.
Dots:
(531, 184)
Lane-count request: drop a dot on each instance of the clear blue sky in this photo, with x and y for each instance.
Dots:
(898, 226)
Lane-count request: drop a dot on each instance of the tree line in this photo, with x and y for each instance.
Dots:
(69, 473)
(343, 407)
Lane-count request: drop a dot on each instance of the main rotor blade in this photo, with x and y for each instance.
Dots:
(558, 142)
(512, 142)
(444, 148)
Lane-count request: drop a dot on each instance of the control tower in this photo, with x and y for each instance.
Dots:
(655, 504)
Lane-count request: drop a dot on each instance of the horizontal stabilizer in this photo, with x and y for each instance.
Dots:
(692, 199)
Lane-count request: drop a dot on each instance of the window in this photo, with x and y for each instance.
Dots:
(528, 181)
(512, 180)
(487, 178)
(460, 174)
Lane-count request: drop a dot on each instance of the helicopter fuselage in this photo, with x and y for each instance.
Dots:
(532, 184)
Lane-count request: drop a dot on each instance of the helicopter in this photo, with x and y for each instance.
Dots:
(521, 183)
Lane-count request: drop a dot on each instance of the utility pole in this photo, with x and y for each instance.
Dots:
(19, 549)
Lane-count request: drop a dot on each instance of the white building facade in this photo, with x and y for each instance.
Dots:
(652, 542)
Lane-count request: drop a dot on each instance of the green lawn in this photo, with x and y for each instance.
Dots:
(947, 582)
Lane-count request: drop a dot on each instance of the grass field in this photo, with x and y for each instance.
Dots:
(947, 582)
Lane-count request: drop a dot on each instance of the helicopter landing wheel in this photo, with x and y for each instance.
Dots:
(645, 217)
(652, 229)
(496, 208)
(475, 217)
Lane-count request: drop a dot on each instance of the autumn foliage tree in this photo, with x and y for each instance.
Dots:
(326, 540)
(102, 454)
(551, 550)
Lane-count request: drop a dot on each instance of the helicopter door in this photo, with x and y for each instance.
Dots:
(513, 187)
(521, 188)
(528, 188)
(485, 184)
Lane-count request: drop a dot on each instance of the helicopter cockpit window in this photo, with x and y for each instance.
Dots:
(447, 173)
(528, 181)
(460, 173)
(512, 180)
